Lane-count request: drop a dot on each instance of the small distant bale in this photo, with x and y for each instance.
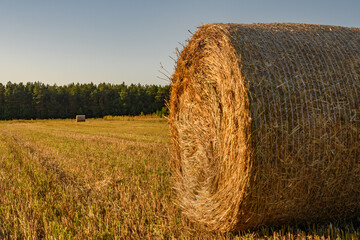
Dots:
(80, 118)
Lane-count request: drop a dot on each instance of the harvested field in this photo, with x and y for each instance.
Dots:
(265, 124)
(102, 179)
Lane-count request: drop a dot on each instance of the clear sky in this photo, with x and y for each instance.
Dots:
(117, 41)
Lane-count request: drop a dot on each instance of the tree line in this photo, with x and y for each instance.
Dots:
(42, 101)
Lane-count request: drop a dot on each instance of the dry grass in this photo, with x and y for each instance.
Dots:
(133, 118)
(265, 123)
(95, 180)
(103, 180)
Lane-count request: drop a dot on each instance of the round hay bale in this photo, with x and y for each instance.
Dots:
(80, 118)
(265, 125)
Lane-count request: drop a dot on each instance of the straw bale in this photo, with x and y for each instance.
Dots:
(80, 118)
(265, 125)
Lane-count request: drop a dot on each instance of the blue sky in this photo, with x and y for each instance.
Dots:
(125, 41)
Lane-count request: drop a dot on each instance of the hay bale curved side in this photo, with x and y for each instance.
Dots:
(265, 125)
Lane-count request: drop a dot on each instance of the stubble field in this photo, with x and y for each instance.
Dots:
(103, 179)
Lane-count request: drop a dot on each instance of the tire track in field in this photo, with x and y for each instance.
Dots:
(80, 167)
(23, 183)
(46, 188)
(126, 194)
(29, 151)
(47, 172)
(93, 148)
